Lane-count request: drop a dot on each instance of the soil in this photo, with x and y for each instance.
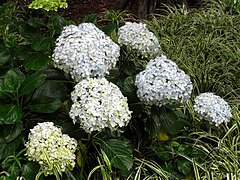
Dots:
(78, 9)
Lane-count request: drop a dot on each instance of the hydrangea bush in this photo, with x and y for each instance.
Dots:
(212, 108)
(85, 51)
(48, 5)
(99, 104)
(137, 37)
(53, 150)
(110, 92)
(162, 82)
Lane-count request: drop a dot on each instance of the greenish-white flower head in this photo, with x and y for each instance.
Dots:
(137, 37)
(212, 108)
(162, 82)
(48, 5)
(53, 150)
(99, 104)
(85, 51)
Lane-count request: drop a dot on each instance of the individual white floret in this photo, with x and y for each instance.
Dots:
(162, 82)
(137, 37)
(212, 108)
(50, 148)
(85, 51)
(99, 104)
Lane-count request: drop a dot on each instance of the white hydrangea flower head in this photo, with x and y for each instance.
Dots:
(99, 104)
(137, 37)
(212, 108)
(85, 51)
(50, 148)
(162, 82)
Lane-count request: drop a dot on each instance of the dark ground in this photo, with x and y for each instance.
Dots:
(78, 9)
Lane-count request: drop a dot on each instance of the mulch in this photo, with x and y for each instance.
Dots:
(78, 9)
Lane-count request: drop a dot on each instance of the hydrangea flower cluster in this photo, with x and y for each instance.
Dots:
(137, 37)
(48, 5)
(99, 104)
(212, 108)
(85, 51)
(50, 148)
(162, 82)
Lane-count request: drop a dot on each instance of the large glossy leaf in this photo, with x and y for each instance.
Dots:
(7, 149)
(36, 22)
(163, 153)
(11, 132)
(51, 88)
(35, 62)
(42, 44)
(29, 33)
(2, 93)
(90, 18)
(30, 170)
(10, 114)
(152, 126)
(119, 152)
(110, 28)
(168, 118)
(12, 80)
(45, 105)
(129, 89)
(4, 57)
(56, 23)
(10, 139)
(31, 82)
(136, 108)
(129, 68)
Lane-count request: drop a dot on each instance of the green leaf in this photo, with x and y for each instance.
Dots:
(163, 154)
(12, 80)
(35, 62)
(56, 23)
(136, 108)
(110, 28)
(2, 93)
(29, 33)
(129, 68)
(45, 105)
(184, 166)
(152, 126)
(129, 88)
(10, 113)
(30, 170)
(113, 75)
(184, 149)
(10, 41)
(42, 44)
(90, 18)
(51, 88)
(119, 152)
(4, 57)
(171, 123)
(10, 139)
(35, 22)
(31, 82)
(7, 149)
(12, 131)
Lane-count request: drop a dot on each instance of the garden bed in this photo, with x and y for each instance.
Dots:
(109, 96)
